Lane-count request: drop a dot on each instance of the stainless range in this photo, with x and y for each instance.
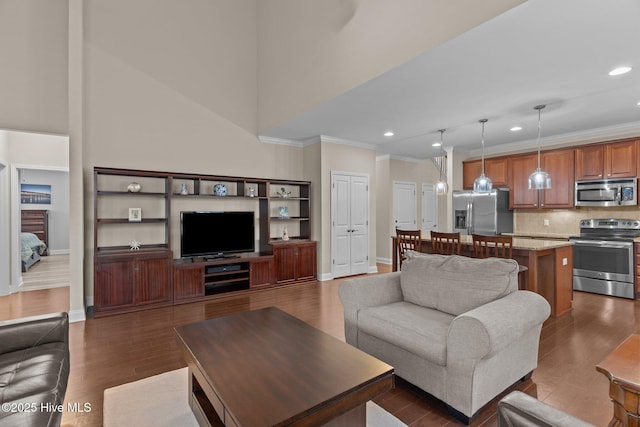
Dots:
(603, 260)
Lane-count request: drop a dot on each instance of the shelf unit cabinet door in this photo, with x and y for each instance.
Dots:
(284, 258)
(621, 160)
(306, 261)
(589, 162)
(470, 171)
(113, 285)
(152, 284)
(188, 282)
(560, 166)
(520, 167)
(261, 272)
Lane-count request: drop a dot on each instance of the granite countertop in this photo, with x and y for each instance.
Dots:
(520, 242)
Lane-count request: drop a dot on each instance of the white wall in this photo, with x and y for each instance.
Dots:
(5, 212)
(34, 84)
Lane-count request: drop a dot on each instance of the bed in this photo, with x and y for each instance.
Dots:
(32, 249)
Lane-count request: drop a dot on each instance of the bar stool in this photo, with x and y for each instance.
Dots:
(445, 243)
(408, 240)
(499, 247)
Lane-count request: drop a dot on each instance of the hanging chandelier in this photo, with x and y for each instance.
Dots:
(483, 183)
(441, 162)
(539, 179)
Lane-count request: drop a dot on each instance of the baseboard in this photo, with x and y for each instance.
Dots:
(77, 316)
(323, 277)
(372, 269)
(384, 260)
(58, 251)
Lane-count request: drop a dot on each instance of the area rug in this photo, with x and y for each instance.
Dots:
(162, 400)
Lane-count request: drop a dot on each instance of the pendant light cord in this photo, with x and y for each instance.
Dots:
(483, 121)
(539, 108)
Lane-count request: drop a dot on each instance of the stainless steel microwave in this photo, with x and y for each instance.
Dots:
(610, 192)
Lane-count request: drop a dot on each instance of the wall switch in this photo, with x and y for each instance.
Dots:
(565, 261)
(545, 222)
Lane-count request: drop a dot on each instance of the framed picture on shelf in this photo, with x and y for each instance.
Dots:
(135, 214)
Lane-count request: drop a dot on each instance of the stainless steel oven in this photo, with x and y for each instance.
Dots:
(603, 260)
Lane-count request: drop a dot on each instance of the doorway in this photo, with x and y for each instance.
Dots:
(349, 224)
(405, 205)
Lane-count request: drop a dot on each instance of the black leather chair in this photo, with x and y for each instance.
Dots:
(34, 369)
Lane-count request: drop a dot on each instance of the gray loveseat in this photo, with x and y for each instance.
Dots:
(34, 370)
(456, 327)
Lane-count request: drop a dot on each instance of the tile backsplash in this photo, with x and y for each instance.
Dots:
(564, 222)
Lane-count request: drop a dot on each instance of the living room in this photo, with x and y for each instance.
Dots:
(162, 87)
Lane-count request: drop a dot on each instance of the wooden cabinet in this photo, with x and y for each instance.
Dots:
(198, 278)
(559, 164)
(607, 161)
(294, 261)
(126, 280)
(494, 168)
(289, 206)
(637, 253)
(36, 222)
(130, 281)
(520, 167)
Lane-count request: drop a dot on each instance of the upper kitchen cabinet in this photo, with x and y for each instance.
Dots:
(495, 168)
(607, 161)
(520, 167)
(560, 166)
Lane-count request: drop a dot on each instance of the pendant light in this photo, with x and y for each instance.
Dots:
(441, 162)
(483, 183)
(539, 179)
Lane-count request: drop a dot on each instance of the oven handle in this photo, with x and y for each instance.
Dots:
(603, 243)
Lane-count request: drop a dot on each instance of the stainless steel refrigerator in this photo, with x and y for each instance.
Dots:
(482, 213)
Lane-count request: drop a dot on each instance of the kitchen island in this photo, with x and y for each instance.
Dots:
(549, 263)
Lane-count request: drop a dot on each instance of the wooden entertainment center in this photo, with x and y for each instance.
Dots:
(137, 212)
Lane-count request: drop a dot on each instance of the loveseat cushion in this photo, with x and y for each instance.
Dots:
(456, 284)
(419, 330)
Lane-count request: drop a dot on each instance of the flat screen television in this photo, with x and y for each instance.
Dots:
(216, 234)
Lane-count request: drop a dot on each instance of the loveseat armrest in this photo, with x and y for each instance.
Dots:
(521, 410)
(492, 327)
(28, 332)
(363, 292)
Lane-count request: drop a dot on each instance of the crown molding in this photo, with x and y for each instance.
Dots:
(625, 130)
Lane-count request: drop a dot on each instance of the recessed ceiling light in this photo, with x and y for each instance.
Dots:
(436, 144)
(638, 104)
(620, 70)
(389, 133)
(516, 128)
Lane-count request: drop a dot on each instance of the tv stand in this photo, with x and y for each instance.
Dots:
(200, 278)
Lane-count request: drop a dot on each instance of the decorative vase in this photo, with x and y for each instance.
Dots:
(183, 189)
(134, 187)
(252, 192)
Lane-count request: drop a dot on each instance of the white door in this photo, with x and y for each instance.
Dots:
(404, 205)
(349, 224)
(429, 208)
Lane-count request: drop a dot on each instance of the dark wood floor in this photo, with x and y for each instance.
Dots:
(114, 350)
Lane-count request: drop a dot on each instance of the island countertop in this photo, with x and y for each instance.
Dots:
(549, 263)
(518, 242)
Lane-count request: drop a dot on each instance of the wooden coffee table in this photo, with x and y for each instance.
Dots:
(622, 367)
(266, 367)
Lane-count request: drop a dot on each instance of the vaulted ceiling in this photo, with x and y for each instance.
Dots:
(551, 52)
